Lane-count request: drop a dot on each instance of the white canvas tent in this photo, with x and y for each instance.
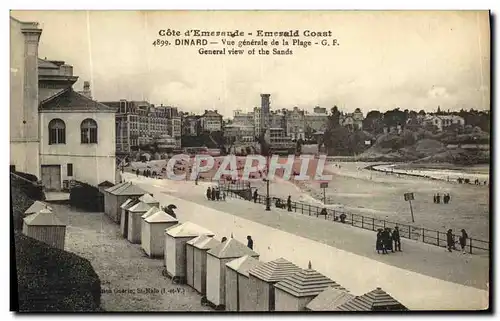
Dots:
(153, 233)
(196, 261)
(175, 247)
(238, 295)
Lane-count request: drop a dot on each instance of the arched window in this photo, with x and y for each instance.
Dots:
(88, 131)
(57, 132)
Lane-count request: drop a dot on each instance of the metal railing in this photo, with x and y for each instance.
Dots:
(407, 231)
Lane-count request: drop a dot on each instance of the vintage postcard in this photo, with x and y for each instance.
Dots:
(247, 161)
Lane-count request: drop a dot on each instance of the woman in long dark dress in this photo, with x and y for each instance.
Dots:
(379, 245)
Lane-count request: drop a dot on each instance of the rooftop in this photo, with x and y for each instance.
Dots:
(231, 249)
(204, 242)
(307, 282)
(36, 207)
(243, 264)
(160, 217)
(330, 299)
(70, 100)
(274, 271)
(375, 300)
(126, 189)
(44, 217)
(188, 229)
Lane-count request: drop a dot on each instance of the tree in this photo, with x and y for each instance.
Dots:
(422, 112)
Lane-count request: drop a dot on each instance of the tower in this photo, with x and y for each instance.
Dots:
(264, 112)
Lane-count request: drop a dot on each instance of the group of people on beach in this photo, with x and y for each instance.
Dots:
(385, 240)
(446, 198)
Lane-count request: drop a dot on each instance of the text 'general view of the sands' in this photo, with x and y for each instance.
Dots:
(259, 42)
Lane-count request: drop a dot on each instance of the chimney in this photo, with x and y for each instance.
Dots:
(86, 90)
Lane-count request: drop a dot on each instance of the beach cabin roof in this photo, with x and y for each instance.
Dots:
(374, 300)
(148, 199)
(43, 217)
(140, 207)
(274, 271)
(105, 184)
(160, 217)
(37, 206)
(112, 188)
(125, 189)
(150, 212)
(243, 264)
(203, 242)
(330, 299)
(188, 229)
(231, 249)
(128, 203)
(307, 282)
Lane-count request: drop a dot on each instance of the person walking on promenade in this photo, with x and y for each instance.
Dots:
(289, 203)
(435, 199)
(255, 195)
(388, 240)
(223, 196)
(450, 240)
(463, 240)
(217, 194)
(250, 242)
(397, 239)
(438, 198)
(213, 194)
(379, 244)
(137, 172)
(209, 193)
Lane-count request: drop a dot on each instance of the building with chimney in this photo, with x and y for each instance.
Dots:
(55, 131)
(295, 123)
(191, 125)
(211, 121)
(353, 121)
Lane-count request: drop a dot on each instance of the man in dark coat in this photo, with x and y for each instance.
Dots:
(217, 194)
(213, 193)
(450, 240)
(255, 195)
(250, 242)
(379, 245)
(209, 193)
(397, 239)
(463, 240)
(289, 203)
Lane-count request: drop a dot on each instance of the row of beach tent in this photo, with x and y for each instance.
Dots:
(228, 274)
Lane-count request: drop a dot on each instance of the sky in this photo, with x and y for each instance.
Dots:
(384, 60)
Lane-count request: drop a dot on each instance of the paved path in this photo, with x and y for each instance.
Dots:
(123, 266)
(339, 251)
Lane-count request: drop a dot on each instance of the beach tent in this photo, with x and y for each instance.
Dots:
(134, 221)
(295, 292)
(238, 295)
(150, 212)
(196, 261)
(117, 195)
(45, 227)
(153, 234)
(262, 279)
(124, 215)
(175, 247)
(217, 258)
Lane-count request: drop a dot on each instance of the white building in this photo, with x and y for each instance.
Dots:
(443, 121)
(352, 120)
(77, 140)
(295, 123)
(317, 120)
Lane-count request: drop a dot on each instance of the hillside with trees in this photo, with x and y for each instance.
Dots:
(402, 135)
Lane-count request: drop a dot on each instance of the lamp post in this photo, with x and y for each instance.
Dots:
(268, 200)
